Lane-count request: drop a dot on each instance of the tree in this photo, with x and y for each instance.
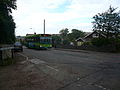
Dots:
(56, 40)
(75, 34)
(108, 22)
(64, 36)
(7, 24)
(64, 32)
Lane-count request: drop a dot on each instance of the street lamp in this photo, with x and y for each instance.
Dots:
(33, 31)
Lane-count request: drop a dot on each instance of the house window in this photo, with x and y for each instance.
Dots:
(95, 35)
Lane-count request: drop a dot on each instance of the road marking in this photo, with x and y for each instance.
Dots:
(52, 68)
(101, 87)
(23, 56)
(37, 61)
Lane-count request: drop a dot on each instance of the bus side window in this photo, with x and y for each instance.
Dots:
(48, 40)
(45, 40)
(39, 39)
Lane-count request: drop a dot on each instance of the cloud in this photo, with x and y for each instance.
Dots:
(58, 14)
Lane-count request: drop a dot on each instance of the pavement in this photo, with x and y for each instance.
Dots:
(23, 75)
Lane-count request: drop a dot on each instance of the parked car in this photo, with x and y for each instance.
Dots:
(18, 46)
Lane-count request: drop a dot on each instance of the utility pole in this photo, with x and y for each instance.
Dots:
(44, 26)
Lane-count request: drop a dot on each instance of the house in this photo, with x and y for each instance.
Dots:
(94, 34)
(80, 41)
(89, 37)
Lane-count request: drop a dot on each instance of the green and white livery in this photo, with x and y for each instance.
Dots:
(38, 41)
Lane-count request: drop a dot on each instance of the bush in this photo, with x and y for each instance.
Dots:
(66, 42)
(99, 42)
(87, 43)
(118, 44)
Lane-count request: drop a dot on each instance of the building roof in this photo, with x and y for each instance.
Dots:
(97, 32)
(80, 39)
(89, 35)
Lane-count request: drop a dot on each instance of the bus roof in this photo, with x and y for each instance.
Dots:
(39, 35)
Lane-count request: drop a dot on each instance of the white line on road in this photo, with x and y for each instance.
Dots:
(52, 68)
(101, 87)
(37, 61)
(23, 56)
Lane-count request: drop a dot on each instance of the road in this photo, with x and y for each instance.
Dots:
(77, 70)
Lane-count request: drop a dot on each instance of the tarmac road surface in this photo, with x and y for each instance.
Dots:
(78, 70)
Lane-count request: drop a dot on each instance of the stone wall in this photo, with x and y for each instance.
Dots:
(6, 53)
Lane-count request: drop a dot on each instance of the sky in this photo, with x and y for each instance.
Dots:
(58, 15)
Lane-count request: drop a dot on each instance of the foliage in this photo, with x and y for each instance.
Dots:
(100, 41)
(64, 32)
(105, 42)
(108, 22)
(88, 43)
(7, 24)
(64, 36)
(56, 39)
(66, 42)
(67, 37)
(75, 34)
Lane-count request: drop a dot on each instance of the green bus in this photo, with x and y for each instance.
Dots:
(38, 41)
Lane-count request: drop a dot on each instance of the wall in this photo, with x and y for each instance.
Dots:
(6, 53)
